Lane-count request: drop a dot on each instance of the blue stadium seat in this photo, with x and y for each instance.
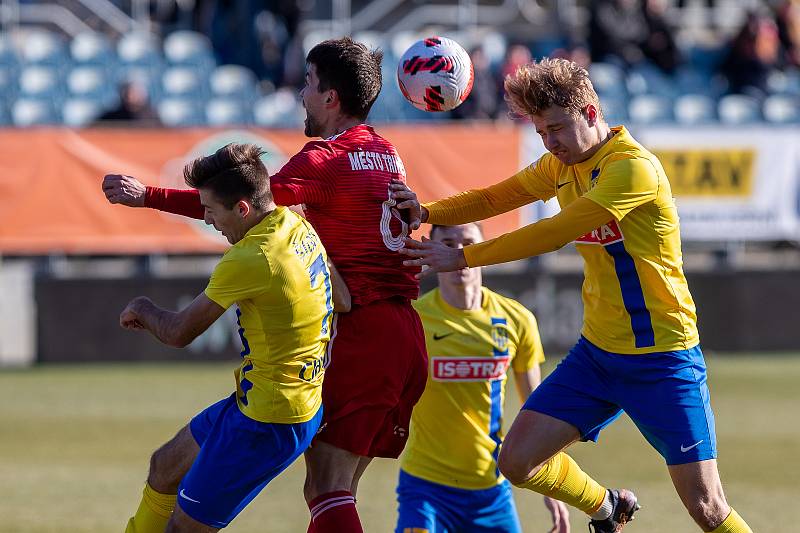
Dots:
(784, 82)
(649, 79)
(184, 81)
(40, 81)
(81, 112)
(695, 109)
(228, 112)
(90, 48)
(607, 79)
(280, 109)
(650, 109)
(8, 82)
(8, 54)
(189, 48)
(139, 48)
(738, 109)
(42, 47)
(781, 109)
(180, 112)
(34, 112)
(233, 81)
(91, 82)
(614, 108)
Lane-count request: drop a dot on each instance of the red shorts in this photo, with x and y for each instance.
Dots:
(377, 372)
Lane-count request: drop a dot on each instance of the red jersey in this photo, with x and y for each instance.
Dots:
(343, 184)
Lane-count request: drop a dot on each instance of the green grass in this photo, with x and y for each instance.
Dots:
(75, 442)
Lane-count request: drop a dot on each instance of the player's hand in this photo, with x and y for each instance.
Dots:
(560, 513)
(407, 201)
(125, 190)
(436, 256)
(129, 318)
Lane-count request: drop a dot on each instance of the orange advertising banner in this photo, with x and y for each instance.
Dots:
(50, 184)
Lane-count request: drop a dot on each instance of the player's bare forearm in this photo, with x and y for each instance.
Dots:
(176, 329)
(163, 324)
(526, 381)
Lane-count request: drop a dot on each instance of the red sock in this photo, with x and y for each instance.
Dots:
(335, 512)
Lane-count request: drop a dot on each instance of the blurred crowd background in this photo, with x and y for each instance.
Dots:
(223, 62)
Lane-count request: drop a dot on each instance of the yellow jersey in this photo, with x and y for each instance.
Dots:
(635, 296)
(278, 276)
(456, 427)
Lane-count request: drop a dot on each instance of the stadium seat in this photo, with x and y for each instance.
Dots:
(280, 109)
(233, 81)
(614, 109)
(42, 47)
(34, 112)
(227, 112)
(781, 109)
(39, 81)
(183, 81)
(607, 78)
(784, 82)
(188, 48)
(139, 48)
(738, 109)
(89, 81)
(8, 54)
(8, 83)
(650, 108)
(494, 45)
(695, 109)
(90, 48)
(180, 112)
(649, 79)
(81, 112)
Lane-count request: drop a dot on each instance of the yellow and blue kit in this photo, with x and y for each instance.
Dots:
(617, 207)
(277, 274)
(449, 477)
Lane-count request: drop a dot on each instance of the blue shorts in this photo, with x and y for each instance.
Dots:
(427, 507)
(238, 457)
(664, 393)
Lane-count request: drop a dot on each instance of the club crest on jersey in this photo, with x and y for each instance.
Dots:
(469, 368)
(606, 234)
(500, 338)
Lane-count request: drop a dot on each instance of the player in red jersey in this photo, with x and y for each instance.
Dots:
(378, 364)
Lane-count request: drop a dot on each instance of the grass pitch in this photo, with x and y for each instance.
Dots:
(75, 443)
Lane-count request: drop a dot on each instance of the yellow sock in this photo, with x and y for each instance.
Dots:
(153, 512)
(733, 524)
(561, 478)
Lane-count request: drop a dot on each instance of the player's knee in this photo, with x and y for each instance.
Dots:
(709, 513)
(163, 476)
(517, 468)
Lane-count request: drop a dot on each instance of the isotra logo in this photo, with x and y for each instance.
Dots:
(469, 368)
(604, 235)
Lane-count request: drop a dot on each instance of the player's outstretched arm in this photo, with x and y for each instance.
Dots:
(465, 207)
(125, 190)
(176, 329)
(575, 220)
(341, 294)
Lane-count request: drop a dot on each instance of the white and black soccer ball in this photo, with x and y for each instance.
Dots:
(435, 74)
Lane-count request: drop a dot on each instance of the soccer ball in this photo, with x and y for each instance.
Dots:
(435, 74)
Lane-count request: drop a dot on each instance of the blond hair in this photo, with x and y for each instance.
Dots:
(537, 86)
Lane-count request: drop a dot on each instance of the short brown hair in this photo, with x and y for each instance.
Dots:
(539, 85)
(352, 70)
(234, 172)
